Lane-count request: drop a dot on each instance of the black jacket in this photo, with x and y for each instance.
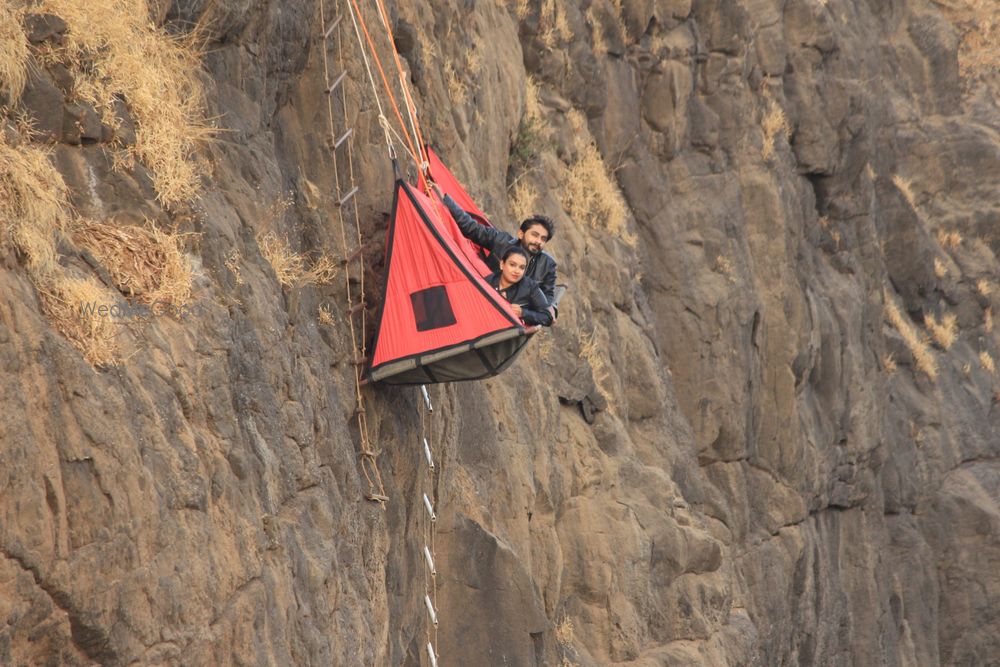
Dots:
(528, 294)
(541, 267)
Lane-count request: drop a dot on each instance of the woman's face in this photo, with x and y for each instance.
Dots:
(512, 268)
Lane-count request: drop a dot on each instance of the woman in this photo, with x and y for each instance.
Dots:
(524, 294)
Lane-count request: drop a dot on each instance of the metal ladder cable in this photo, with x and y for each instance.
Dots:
(429, 523)
(369, 462)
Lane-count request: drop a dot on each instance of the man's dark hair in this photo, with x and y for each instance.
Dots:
(545, 222)
(514, 250)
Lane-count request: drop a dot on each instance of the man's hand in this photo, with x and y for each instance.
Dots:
(436, 188)
(516, 308)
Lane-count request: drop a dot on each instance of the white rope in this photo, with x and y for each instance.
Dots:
(383, 121)
(411, 111)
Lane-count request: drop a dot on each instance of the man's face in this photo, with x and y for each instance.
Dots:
(534, 239)
(512, 268)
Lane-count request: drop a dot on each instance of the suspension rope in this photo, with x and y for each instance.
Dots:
(369, 456)
(411, 109)
(383, 121)
(385, 81)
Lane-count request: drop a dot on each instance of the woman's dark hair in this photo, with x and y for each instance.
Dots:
(514, 250)
(545, 222)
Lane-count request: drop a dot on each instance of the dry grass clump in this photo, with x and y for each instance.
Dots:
(293, 269)
(33, 204)
(116, 54)
(13, 51)
(64, 301)
(905, 187)
(322, 272)
(940, 270)
(458, 90)
(986, 361)
(325, 315)
(591, 352)
(889, 363)
(144, 262)
(988, 320)
(951, 239)
(553, 26)
(922, 355)
(564, 631)
(983, 287)
(588, 192)
(288, 265)
(774, 123)
(944, 332)
(523, 196)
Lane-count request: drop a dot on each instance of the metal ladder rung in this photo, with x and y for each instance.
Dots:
(333, 26)
(346, 198)
(333, 86)
(430, 609)
(343, 138)
(430, 508)
(427, 455)
(430, 561)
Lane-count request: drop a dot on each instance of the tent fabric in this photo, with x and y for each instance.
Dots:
(441, 175)
(439, 320)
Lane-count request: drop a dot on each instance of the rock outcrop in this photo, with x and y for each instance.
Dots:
(762, 432)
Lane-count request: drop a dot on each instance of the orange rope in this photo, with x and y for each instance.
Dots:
(406, 90)
(392, 98)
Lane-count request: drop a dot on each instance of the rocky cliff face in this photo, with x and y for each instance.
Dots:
(763, 431)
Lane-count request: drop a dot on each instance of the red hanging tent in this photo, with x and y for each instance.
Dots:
(441, 175)
(440, 321)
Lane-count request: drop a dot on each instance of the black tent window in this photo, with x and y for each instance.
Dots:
(431, 308)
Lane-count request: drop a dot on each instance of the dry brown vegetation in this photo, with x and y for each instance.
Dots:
(293, 269)
(553, 27)
(588, 192)
(905, 187)
(119, 61)
(889, 363)
(944, 332)
(774, 123)
(593, 352)
(978, 23)
(117, 55)
(986, 361)
(144, 262)
(949, 239)
(63, 299)
(33, 204)
(13, 51)
(922, 355)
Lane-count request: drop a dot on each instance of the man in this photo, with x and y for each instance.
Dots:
(535, 232)
(524, 294)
